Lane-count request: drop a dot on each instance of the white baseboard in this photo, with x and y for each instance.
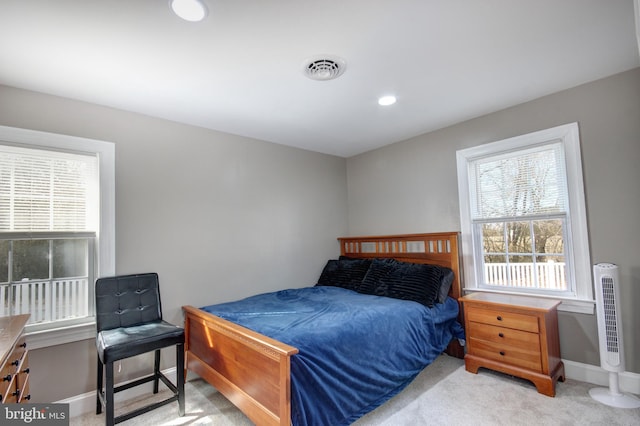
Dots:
(85, 403)
(629, 382)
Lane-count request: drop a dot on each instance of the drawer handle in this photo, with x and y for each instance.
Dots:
(28, 397)
(502, 353)
(7, 378)
(501, 334)
(16, 362)
(499, 318)
(23, 345)
(26, 370)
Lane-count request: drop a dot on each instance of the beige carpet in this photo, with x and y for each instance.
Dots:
(443, 394)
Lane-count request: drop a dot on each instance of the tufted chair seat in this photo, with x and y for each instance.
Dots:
(129, 323)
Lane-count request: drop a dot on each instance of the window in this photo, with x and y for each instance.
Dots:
(523, 217)
(56, 228)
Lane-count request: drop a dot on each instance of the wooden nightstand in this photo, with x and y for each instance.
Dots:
(516, 335)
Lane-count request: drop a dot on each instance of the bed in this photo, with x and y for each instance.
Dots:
(258, 373)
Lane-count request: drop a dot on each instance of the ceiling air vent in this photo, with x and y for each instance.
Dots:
(324, 68)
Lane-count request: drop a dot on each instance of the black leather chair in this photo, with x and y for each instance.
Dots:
(129, 322)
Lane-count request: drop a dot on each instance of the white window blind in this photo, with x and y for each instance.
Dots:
(529, 182)
(50, 191)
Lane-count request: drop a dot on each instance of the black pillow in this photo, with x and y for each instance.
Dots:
(403, 280)
(445, 284)
(377, 273)
(345, 273)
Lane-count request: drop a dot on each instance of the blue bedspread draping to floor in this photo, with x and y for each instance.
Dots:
(355, 351)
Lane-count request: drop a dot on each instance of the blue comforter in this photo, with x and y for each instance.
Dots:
(355, 351)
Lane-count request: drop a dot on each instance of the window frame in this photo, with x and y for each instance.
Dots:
(578, 251)
(105, 248)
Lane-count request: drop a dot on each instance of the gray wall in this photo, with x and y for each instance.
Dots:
(412, 187)
(218, 216)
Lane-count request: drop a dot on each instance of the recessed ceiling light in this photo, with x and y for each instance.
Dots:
(189, 10)
(387, 100)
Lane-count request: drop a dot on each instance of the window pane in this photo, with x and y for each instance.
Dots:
(550, 256)
(521, 271)
(495, 270)
(493, 237)
(69, 258)
(519, 235)
(549, 236)
(552, 273)
(45, 190)
(4, 261)
(519, 183)
(30, 260)
(5, 300)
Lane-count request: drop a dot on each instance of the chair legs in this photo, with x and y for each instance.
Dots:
(109, 394)
(105, 398)
(180, 377)
(156, 371)
(100, 371)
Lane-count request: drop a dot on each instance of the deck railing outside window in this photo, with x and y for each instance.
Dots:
(550, 275)
(48, 278)
(46, 300)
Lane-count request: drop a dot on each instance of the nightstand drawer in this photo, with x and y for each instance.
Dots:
(507, 354)
(503, 319)
(505, 336)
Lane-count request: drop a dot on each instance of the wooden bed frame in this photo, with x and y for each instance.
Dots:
(253, 370)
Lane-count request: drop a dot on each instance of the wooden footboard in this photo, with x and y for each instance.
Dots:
(249, 369)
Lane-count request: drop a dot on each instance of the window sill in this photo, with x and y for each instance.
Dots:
(567, 305)
(59, 336)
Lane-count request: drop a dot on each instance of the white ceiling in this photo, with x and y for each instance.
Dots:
(240, 70)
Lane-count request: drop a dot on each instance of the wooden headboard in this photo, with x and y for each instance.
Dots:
(438, 249)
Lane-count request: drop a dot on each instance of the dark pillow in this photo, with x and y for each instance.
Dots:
(345, 273)
(445, 284)
(377, 273)
(403, 280)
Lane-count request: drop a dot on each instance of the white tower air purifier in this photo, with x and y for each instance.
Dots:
(610, 336)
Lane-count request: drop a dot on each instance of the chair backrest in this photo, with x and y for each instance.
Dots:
(127, 300)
